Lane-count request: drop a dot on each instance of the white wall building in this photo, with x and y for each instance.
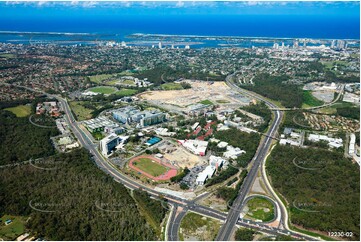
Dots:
(108, 144)
(197, 147)
(351, 149)
(332, 142)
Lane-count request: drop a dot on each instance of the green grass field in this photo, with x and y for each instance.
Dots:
(103, 90)
(81, 112)
(7, 56)
(149, 166)
(309, 100)
(13, 230)
(195, 225)
(20, 111)
(171, 86)
(206, 102)
(99, 78)
(126, 92)
(260, 208)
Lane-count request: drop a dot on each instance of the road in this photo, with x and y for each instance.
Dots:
(227, 229)
(108, 168)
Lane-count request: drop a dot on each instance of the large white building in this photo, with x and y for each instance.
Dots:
(332, 142)
(108, 144)
(197, 147)
(351, 149)
(214, 163)
(233, 152)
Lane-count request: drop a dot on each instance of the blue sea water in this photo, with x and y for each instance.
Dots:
(246, 26)
(292, 20)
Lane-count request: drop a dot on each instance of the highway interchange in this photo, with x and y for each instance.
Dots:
(233, 217)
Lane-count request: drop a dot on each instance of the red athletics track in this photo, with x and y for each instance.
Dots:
(169, 174)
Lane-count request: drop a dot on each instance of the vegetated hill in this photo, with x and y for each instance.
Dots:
(325, 196)
(73, 201)
(290, 95)
(20, 140)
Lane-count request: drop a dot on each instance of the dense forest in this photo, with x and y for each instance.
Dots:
(261, 110)
(18, 135)
(75, 201)
(273, 87)
(349, 112)
(322, 188)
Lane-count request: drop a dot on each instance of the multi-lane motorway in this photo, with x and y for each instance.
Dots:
(173, 224)
(227, 229)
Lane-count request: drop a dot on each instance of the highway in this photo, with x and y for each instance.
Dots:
(172, 233)
(227, 229)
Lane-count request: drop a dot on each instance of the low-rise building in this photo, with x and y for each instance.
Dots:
(351, 149)
(197, 147)
(204, 175)
(332, 142)
(233, 152)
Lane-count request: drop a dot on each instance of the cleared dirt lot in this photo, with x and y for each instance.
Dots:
(200, 91)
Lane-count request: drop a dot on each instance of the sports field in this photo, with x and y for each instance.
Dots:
(126, 92)
(171, 86)
(103, 90)
(20, 111)
(152, 168)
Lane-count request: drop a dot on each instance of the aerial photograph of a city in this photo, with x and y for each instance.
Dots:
(179, 120)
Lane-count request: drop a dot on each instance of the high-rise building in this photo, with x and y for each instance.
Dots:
(160, 45)
(295, 44)
(108, 144)
(333, 44)
(187, 47)
(275, 46)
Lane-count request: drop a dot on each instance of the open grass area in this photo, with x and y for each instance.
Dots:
(13, 230)
(196, 227)
(260, 209)
(81, 112)
(99, 78)
(149, 166)
(206, 102)
(7, 56)
(126, 92)
(20, 111)
(309, 100)
(103, 90)
(171, 86)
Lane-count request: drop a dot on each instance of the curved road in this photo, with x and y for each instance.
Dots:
(108, 168)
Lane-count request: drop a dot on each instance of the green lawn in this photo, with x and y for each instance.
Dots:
(206, 102)
(171, 86)
(81, 112)
(260, 208)
(128, 82)
(13, 230)
(195, 225)
(126, 92)
(151, 167)
(20, 111)
(7, 56)
(103, 90)
(99, 78)
(98, 135)
(309, 100)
